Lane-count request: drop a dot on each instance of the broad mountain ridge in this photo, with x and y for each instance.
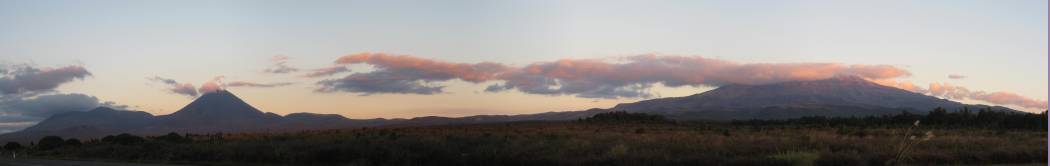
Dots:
(222, 111)
(837, 96)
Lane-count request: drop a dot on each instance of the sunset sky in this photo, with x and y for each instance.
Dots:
(459, 58)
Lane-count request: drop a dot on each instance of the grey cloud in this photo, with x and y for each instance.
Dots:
(378, 82)
(28, 79)
(176, 87)
(327, 71)
(280, 66)
(406, 74)
(18, 112)
(260, 85)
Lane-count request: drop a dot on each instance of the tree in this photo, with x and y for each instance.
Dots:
(72, 142)
(937, 116)
(173, 138)
(50, 142)
(12, 146)
(124, 139)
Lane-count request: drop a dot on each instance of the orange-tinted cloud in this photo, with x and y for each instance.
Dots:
(591, 78)
(950, 91)
(624, 77)
(1011, 99)
(212, 85)
(633, 75)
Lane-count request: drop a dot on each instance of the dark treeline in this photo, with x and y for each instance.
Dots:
(985, 118)
(613, 138)
(625, 117)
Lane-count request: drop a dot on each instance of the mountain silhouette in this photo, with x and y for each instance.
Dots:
(218, 111)
(838, 96)
(88, 124)
(222, 111)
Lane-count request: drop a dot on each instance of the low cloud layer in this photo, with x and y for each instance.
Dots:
(630, 77)
(212, 85)
(260, 85)
(20, 79)
(18, 112)
(956, 76)
(215, 84)
(326, 71)
(406, 74)
(950, 91)
(280, 66)
(176, 87)
(633, 76)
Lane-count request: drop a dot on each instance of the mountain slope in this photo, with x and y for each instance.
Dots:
(839, 96)
(217, 111)
(94, 123)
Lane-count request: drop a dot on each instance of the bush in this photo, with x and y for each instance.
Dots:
(72, 142)
(12, 146)
(626, 117)
(172, 138)
(50, 142)
(797, 158)
(124, 139)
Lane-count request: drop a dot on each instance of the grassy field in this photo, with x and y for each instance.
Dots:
(580, 143)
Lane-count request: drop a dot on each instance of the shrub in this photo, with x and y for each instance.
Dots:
(12, 146)
(50, 142)
(626, 117)
(797, 158)
(72, 142)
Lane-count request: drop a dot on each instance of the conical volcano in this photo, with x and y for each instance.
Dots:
(216, 112)
(220, 103)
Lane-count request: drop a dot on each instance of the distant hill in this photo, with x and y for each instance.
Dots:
(222, 111)
(219, 111)
(838, 96)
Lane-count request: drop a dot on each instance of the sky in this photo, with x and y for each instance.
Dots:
(401, 59)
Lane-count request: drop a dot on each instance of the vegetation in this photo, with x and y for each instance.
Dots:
(983, 119)
(616, 138)
(626, 117)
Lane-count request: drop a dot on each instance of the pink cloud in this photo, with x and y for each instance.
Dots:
(1011, 99)
(633, 75)
(950, 91)
(215, 84)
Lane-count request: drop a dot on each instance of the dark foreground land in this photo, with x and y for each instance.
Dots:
(607, 139)
(45, 162)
